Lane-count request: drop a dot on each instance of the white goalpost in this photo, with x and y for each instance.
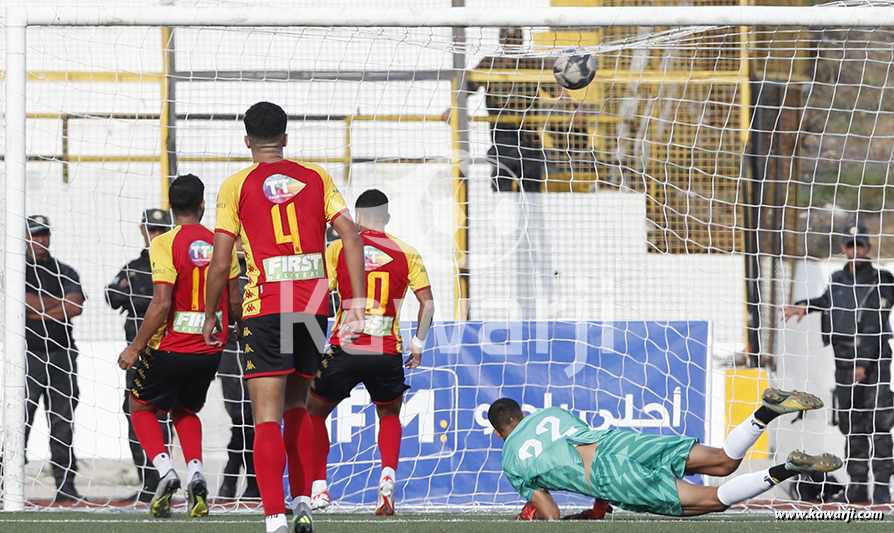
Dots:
(683, 198)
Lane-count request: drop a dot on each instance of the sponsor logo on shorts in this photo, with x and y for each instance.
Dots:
(249, 365)
(280, 188)
(294, 267)
(190, 322)
(378, 325)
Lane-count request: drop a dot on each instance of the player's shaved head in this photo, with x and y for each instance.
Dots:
(186, 195)
(504, 414)
(265, 123)
(372, 206)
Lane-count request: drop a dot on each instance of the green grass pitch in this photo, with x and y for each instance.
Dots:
(100, 522)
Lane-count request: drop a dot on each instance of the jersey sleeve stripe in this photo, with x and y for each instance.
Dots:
(162, 283)
(219, 230)
(340, 213)
(422, 288)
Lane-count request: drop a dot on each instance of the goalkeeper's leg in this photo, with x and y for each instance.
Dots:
(722, 462)
(698, 499)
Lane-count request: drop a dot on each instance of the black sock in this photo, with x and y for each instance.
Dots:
(780, 473)
(764, 415)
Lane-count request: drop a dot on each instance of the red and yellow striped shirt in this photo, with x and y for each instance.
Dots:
(180, 258)
(391, 266)
(280, 211)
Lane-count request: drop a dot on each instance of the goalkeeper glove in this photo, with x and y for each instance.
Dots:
(528, 512)
(600, 508)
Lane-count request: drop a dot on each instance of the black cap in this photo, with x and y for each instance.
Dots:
(855, 234)
(157, 218)
(38, 224)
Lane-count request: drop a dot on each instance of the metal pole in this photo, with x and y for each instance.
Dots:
(459, 123)
(14, 290)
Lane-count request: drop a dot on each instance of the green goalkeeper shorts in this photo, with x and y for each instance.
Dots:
(638, 472)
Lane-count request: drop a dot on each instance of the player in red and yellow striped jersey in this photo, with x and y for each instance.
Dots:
(173, 364)
(374, 359)
(279, 209)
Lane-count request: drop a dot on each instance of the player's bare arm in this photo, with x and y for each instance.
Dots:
(424, 319)
(155, 319)
(353, 249)
(218, 277)
(545, 505)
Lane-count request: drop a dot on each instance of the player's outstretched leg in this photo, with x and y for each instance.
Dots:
(160, 506)
(774, 402)
(750, 485)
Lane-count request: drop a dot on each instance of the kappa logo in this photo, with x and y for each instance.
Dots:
(249, 365)
(248, 349)
(246, 332)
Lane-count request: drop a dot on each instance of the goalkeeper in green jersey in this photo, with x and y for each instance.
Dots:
(554, 450)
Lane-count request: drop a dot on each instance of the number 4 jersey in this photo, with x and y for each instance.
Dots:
(180, 258)
(391, 266)
(541, 454)
(280, 211)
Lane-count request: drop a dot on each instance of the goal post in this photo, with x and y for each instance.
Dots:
(637, 239)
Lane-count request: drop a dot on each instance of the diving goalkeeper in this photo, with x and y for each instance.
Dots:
(554, 450)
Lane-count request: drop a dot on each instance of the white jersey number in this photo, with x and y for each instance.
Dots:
(533, 447)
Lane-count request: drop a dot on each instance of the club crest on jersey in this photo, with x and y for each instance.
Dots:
(280, 188)
(374, 258)
(200, 253)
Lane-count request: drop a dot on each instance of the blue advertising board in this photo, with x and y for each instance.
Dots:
(642, 376)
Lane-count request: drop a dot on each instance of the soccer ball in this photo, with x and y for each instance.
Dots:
(574, 71)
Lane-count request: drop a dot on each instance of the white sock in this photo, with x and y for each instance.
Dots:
(276, 521)
(743, 437)
(192, 468)
(745, 486)
(388, 472)
(318, 486)
(162, 463)
(299, 500)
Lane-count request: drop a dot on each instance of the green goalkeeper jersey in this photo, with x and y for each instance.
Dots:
(540, 452)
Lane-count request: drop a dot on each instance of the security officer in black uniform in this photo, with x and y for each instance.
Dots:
(855, 311)
(131, 292)
(53, 296)
(516, 152)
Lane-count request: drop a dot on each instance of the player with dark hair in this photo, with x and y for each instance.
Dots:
(554, 450)
(173, 365)
(131, 293)
(375, 358)
(279, 209)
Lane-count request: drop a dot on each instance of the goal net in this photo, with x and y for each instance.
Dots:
(622, 250)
